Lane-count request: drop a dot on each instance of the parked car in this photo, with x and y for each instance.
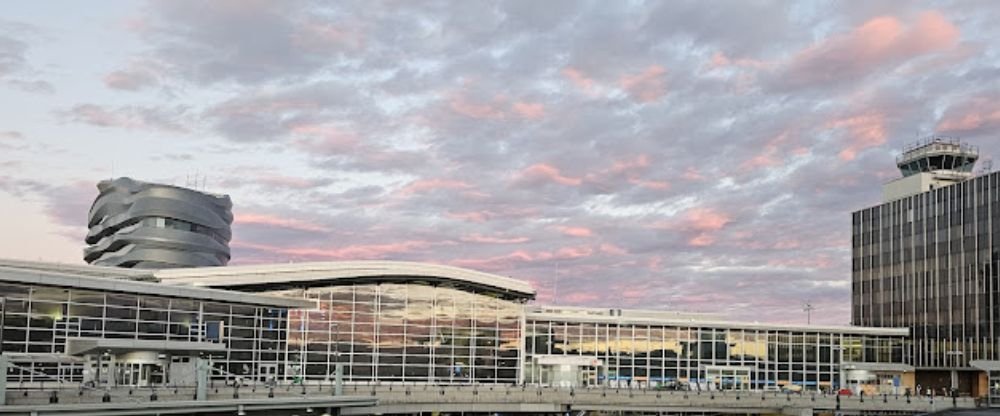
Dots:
(845, 392)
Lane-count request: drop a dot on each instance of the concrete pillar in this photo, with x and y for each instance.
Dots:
(338, 383)
(4, 363)
(954, 379)
(201, 377)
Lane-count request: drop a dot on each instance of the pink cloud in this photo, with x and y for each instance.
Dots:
(541, 172)
(325, 139)
(278, 222)
(639, 162)
(773, 153)
(471, 216)
(578, 297)
(692, 174)
(719, 60)
(568, 253)
(317, 36)
(701, 240)
(866, 130)
(655, 185)
(632, 170)
(496, 109)
(511, 260)
(135, 77)
(577, 77)
(350, 252)
(531, 111)
(705, 219)
(976, 114)
(477, 238)
(430, 185)
(647, 86)
(608, 248)
(485, 215)
(574, 231)
(130, 117)
(881, 41)
(463, 106)
(817, 262)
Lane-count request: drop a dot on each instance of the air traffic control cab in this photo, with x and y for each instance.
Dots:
(930, 164)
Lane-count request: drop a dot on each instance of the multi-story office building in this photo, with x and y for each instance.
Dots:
(927, 258)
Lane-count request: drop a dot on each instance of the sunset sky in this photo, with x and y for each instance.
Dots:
(700, 156)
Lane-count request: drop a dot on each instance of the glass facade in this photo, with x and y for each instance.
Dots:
(647, 354)
(38, 320)
(389, 332)
(930, 262)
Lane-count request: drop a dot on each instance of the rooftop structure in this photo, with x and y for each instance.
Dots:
(650, 317)
(938, 154)
(930, 163)
(128, 281)
(300, 275)
(144, 225)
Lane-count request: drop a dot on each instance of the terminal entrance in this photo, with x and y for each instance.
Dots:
(728, 377)
(994, 388)
(566, 371)
(991, 368)
(140, 374)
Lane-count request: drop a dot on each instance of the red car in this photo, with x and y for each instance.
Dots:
(845, 392)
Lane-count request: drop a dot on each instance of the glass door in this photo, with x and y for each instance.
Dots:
(728, 378)
(994, 391)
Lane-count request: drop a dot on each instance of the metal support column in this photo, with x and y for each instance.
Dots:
(4, 364)
(338, 383)
(201, 377)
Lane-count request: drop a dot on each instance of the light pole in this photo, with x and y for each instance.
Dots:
(808, 308)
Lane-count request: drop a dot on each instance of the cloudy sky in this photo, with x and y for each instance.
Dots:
(666, 155)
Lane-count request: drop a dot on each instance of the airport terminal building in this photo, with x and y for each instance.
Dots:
(398, 322)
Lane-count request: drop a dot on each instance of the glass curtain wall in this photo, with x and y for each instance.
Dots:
(650, 355)
(405, 333)
(39, 319)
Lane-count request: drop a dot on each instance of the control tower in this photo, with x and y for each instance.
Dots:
(931, 163)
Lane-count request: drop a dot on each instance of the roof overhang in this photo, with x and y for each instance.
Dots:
(41, 357)
(73, 280)
(986, 365)
(81, 270)
(710, 323)
(296, 275)
(83, 346)
(879, 367)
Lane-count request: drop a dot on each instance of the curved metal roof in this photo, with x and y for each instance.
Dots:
(276, 276)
